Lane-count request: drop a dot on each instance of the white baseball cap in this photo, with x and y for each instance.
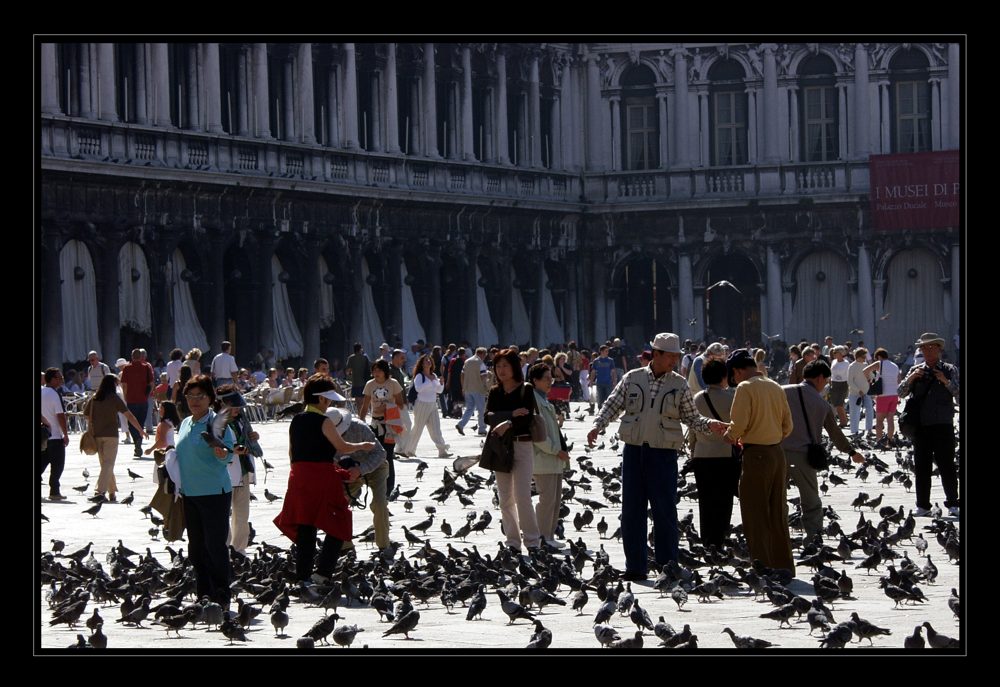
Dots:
(332, 395)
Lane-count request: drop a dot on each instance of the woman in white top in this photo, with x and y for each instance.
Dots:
(425, 410)
(886, 402)
(857, 391)
(170, 420)
(838, 382)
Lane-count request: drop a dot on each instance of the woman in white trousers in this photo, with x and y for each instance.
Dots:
(425, 410)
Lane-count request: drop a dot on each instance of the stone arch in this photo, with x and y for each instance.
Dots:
(822, 295)
(800, 55)
(890, 53)
(913, 299)
(801, 252)
(642, 287)
(78, 295)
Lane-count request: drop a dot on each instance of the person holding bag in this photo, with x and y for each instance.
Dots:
(550, 457)
(510, 406)
(857, 392)
(933, 386)
(102, 414)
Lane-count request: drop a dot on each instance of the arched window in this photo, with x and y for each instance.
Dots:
(728, 114)
(911, 102)
(641, 121)
(818, 109)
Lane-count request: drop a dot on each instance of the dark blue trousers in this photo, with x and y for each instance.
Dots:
(649, 475)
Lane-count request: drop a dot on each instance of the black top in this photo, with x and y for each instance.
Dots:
(500, 403)
(306, 441)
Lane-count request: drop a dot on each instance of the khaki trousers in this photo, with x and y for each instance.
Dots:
(514, 489)
(107, 452)
(762, 505)
(239, 528)
(378, 503)
(804, 478)
(547, 509)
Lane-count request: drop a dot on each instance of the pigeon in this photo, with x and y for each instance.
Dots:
(477, 604)
(606, 634)
(513, 610)
(640, 617)
(270, 497)
(914, 641)
(216, 432)
(57, 545)
(136, 615)
(542, 637)
(95, 621)
(580, 600)
(177, 621)
(663, 630)
(344, 635)
(128, 500)
(82, 489)
(404, 626)
(866, 630)
(93, 510)
(838, 637)
(322, 627)
(605, 612)
(98, 640)
(781, 614)
(279, 620)
(679, 596)
(232, 631)
(133, 475)
(629, 642)
(746, 641)
(724, 283)
(939, 641)
(954, 603)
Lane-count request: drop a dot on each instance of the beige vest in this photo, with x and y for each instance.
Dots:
(653, 421)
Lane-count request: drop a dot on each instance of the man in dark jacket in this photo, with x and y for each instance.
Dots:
(934, 383)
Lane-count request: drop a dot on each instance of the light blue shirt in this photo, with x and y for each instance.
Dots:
(202, 474)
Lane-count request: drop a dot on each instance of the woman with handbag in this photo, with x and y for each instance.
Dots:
(510, 406)
(716, 463)
(425, 410)
(886, 398)
(550, 457)
(102, 414)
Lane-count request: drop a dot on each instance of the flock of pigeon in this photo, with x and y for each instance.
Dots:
(877, 573)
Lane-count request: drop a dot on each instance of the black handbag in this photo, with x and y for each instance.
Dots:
(498, 452)
(816, 454)
(909, 419)
(875, 388)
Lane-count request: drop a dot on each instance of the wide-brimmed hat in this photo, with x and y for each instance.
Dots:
(666, 342)
(929, 338)
(341, 419)
(120, 363)
(332, 395)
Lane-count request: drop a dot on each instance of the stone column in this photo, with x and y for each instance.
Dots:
(468, 137)
(50, 80)
(794, 149)
(686, 295)
(416, 146)
(842, 120)
(786, 308)
(554, 154)
(350, 104)
(935, 114)
(771, 154)
(86, 109)
(682, 137)
(595, 130)
(661, 101)
(161, 84)
(703, 129)
(307, 108)
(313, 283)
(571, 319)
(52, 300)
(599, 299)
(266, 299)
(430, 104)
(261, 98)
(213, 96)
(617, 156)
(538, 286)
(504, 318)
(242, 125)
(775, 317)
(193, 96)
(886, 128)
(534, 112)
(333, 116)
(503, 157)
(752, 148)
(566, 142)
(434, 291)
(215, 284)
(862, 111)
(109, 309)
(288, 124)
(141, 91)
(953, 98)
(700, 313)
(107, 107)
(879, 296)
(866, 304)
(374, 122)
(391, 102)
(394, 285)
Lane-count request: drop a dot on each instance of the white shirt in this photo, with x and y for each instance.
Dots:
(95, 373)
(427, 388)
(839, 370)
(51, 407)
(174, 371)
(890, 378)
(224, 365)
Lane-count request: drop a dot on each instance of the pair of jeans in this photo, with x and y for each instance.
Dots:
(854, 412)
(54, 457)
(139, 410)
(648, 475)
(932, 445)
(603, 391)
(207, 522)
(305, 551)
(474, 403)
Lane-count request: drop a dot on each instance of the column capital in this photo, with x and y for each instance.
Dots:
(769, 48)
(679, 51)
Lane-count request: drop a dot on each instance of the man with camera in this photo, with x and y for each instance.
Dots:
(933, 385)
(810, 415)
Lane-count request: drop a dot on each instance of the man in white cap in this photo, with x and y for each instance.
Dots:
(655, 400)
(373, 469)
(385, 352)
(96, 371)
(933, 384)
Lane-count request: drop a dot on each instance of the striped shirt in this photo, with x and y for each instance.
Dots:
(689, 414)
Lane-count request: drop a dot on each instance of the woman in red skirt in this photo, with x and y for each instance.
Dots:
(316, 498)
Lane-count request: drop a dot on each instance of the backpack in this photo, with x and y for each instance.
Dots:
(411, 394)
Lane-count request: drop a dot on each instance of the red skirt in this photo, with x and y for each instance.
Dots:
(316, 497)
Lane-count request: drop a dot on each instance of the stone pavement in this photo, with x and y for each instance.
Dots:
(439, 629)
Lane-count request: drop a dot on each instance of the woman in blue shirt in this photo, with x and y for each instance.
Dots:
(207, 490)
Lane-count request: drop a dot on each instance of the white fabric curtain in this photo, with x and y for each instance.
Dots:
(822, 307)
(133, 296)
(412, 329)
(520, 322)
(552, 331)
(188, 332)
(287, 338)
(915, 304)
(370, 335)
(79, 302)
(326, 316)
(487, 334)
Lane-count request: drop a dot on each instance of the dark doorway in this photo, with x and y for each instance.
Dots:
(643, 300)
(728, 312)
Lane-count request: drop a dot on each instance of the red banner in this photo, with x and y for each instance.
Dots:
(915, 191)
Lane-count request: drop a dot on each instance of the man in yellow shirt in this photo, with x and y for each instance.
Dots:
(760, 419)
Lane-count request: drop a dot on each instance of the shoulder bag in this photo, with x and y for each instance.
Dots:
(88, 443)
(909, 419)
(875, 388)
(816, 454)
